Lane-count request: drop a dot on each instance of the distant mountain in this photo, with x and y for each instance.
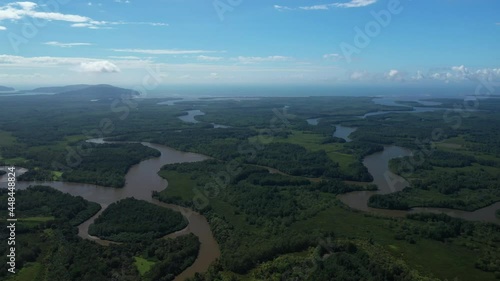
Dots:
(6, 89)
(98, 92)
(56, 90)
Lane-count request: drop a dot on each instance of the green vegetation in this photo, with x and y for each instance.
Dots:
(132, 220)
(444, 228)
(6, 138)
(498, 213)
(256, 214)
(446, 179)
(48, 248)
(143, 265)
(105, 165)
(171, 257)
(27, 272)
(347, 155)
(268, 226)
(335, 260)
(40, 203)
(339, 260)
(296, 160)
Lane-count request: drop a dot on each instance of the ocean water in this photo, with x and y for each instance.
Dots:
(402, 92)
(200, 91)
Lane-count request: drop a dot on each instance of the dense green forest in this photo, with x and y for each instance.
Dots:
(105, 165)
(132, 220)
(262, 216)
(462, 190)
(336, 260)
(269, 192)
(43, 201)
(48, 247)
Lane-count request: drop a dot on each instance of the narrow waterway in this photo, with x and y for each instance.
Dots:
(190, 117)
(340, 131)
(344, 132)
(388, 182)
(141, 180)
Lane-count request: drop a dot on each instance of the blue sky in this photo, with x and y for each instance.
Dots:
(249, 42)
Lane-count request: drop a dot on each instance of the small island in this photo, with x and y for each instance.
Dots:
(132, 220)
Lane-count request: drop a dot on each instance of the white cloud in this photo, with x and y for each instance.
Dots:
(18, 61)
(463, 73)
(125, 57)
(17, 10)
(459, 74)
(208, 58)
(453, 74)
(350, 4)
(355, 3)
(282, 8)
(3, 28)
(99, 67)
(163, 51)
(359, 75)
(334, 57)
(460, 69)
(8, 62)
(65, 45)
(108, 24)
(262, 59)
(317, 7)
(26, 5)
(395, 75)
(122, 1)
(418, 76)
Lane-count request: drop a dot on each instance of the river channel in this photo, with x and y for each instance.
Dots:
(141, 180)
(387, 182)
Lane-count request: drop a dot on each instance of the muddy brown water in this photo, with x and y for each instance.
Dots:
(141, 180)
(387, 182)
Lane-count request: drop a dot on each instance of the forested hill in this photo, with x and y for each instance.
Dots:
(62, 89)
(6, 89)
(101, 91)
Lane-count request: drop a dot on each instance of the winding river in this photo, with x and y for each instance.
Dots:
(141, 180)
(190, 118)
(344, 132)
(387, 182)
